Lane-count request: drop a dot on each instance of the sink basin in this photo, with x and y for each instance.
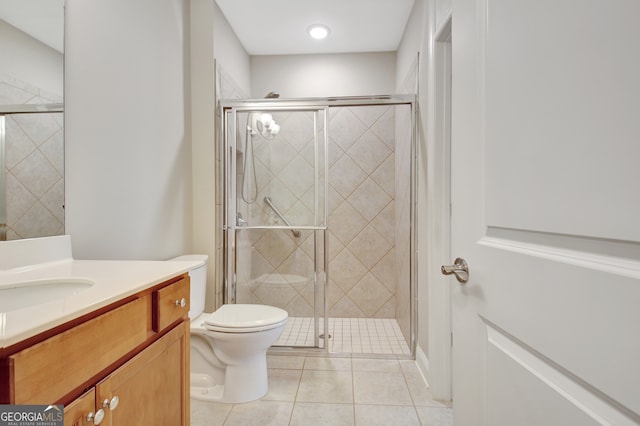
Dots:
(29, 293)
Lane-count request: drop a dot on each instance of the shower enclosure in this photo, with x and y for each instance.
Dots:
(318, 218)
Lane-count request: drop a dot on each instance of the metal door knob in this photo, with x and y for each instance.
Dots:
(111, 405)
(96, 417)
(459, 268)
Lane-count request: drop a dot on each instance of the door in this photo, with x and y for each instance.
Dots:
(151, 388)
(276, 215)
(545, 209)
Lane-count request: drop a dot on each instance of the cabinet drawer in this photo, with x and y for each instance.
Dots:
(49, 370)
(171, 303)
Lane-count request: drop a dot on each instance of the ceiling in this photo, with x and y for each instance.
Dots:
(279, 27)
(264, 27)
(41, 19)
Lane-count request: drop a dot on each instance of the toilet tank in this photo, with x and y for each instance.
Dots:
(198, 276)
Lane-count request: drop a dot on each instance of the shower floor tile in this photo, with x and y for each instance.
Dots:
(348, 335)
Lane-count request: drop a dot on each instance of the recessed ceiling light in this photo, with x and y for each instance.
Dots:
(318, 31)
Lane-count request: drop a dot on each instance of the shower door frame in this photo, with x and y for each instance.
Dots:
(227, 188)
(229, 112)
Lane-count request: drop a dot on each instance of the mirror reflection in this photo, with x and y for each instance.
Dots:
(31, 118)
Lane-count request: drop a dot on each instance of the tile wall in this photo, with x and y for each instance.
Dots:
(363, 208)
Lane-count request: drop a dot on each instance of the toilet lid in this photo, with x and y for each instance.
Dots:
(239, 316)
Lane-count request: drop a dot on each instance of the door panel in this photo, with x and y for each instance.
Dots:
(276, 201)
(562, 114)
(544, 142)
(150, 387)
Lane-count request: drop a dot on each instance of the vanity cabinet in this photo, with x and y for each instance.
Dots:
(125, 364)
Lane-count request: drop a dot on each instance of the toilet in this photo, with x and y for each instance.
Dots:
(229, 346)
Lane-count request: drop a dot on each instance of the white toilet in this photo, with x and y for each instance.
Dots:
(229, 346)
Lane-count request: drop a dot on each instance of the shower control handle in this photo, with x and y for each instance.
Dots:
(459, 268)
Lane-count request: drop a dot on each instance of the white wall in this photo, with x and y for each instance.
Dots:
(229, 52)
(212, 41)
(30, 61)
(414, 43)
(203, 162)
(127, 154)
(434, 352)
(345, 74)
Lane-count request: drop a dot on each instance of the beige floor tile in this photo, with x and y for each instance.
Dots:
(386, 415)
(418, 388)
(260, 413)
(317, 363)
(377, 365)
(312, 414)
(333, 391)
(285, 362)
(283, 385)
(435, 416)
(208, 413)
(326, 386)
(380, 388)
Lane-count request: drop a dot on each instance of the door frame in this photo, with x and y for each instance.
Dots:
(439, 331)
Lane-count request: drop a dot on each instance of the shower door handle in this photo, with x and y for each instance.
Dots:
(459, 268)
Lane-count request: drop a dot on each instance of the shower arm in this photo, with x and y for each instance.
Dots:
(267, 200)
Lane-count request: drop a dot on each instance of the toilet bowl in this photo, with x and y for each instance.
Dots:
(229, 346)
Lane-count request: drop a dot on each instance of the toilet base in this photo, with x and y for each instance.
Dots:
(203, 388)
(246, 382)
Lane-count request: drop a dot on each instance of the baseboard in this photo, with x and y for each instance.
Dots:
(423, 364)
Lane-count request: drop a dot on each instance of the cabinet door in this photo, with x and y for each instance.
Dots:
(152, 388)
(75, 414)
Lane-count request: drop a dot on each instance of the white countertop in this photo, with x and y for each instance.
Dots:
(113, 280)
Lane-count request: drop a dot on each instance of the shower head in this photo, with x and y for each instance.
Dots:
(263, 124)
(272, 95)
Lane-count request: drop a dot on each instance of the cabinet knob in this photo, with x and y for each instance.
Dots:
(182, 302)
(96, 417)
(111, 405)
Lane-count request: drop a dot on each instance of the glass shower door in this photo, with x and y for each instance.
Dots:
(276, 197)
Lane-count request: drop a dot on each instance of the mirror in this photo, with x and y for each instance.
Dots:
(31, 118)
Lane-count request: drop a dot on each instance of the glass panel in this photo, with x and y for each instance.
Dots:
(280, 166)
(286, 182)
(370, 172)
(276, 215)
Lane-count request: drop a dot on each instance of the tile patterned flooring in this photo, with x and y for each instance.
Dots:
(311, 390)
(349, 335)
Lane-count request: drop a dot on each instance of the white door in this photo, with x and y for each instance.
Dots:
(546, 211)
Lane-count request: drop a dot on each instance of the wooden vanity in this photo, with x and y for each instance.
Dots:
(126, 363)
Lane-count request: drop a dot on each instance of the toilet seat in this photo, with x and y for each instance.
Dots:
(244, 318)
